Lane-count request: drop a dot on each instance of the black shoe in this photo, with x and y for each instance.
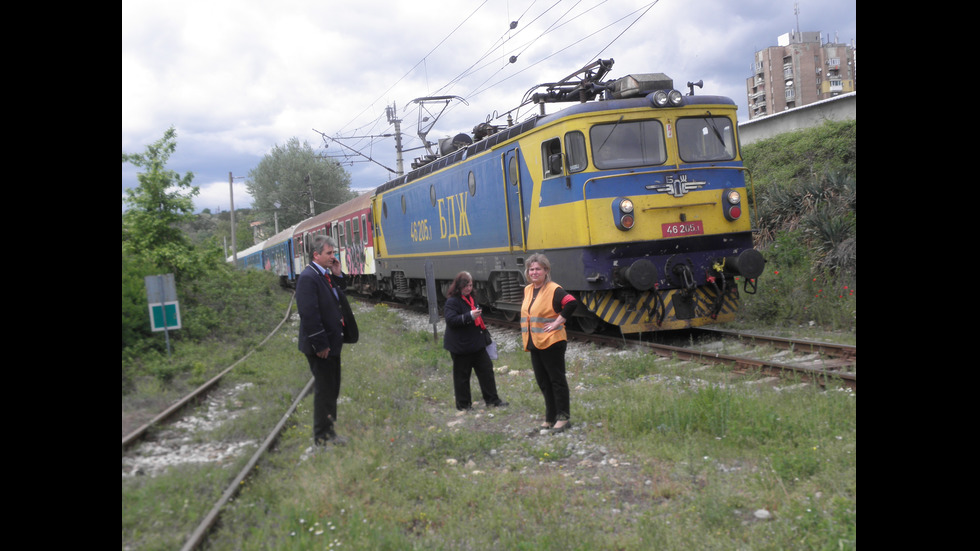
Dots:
(330, 438)
(498, 404)
(563, 428)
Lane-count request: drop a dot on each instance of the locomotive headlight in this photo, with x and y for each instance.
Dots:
(663, 98)
(732, 204)
(623, 213)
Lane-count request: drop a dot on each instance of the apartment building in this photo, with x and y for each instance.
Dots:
(799, 70)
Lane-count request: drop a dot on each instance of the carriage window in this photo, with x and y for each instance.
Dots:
(575, 149)
(356, 238)
(622, 144)
(364, 232)
(347, 241)
(706, 139)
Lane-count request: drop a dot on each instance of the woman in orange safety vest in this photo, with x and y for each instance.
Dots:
(545, 309)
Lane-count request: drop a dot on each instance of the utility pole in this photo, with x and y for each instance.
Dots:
(309, 188)
(231, 194)
(393, 119)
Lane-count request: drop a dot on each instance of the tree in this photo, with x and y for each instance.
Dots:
(288, 175)
(157, 207)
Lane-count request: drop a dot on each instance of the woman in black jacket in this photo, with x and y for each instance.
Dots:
(466, 343)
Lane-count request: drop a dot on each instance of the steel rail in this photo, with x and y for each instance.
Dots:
(205, 526)
(849, 379)
(846, 351)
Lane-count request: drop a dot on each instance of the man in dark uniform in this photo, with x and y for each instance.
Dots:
(321, 332)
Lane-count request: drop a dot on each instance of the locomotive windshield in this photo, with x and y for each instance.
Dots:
(622, 144)
(705, 139)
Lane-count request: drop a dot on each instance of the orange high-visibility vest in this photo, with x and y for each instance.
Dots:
(537, 315)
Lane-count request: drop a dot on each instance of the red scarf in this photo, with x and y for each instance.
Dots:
(478, 321)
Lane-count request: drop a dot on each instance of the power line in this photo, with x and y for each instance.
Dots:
(500, 42)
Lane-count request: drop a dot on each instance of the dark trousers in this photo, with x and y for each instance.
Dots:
(326, 390)
(480, 363)
(549, 372)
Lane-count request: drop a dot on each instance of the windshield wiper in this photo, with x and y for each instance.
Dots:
(609, 135)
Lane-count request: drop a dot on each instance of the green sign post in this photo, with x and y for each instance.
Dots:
(161, 294)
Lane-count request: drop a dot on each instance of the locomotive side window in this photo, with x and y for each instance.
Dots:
(512, 169)
(364, 230)
(705, 139)
(622, 144)
(575, 150)
(551, 158)
(472, 182)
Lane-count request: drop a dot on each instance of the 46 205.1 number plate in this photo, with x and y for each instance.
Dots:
(680, 229)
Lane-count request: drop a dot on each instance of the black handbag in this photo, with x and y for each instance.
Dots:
(486, 337)
(350, 324)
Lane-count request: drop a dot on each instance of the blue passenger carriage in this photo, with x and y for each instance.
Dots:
(277, 256)
(249, 258)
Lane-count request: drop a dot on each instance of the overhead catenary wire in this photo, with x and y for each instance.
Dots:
(512, 25)
(506, 61)
(421, 61)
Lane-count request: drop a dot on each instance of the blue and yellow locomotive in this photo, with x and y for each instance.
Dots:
(636, 193)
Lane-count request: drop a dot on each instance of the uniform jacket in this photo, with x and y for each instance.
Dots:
(319, 312)
(462, 335)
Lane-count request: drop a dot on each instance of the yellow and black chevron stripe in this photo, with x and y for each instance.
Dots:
(677, 311)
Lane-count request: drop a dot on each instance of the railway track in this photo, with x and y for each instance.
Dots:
(196, 396)
(198, 393)
(817, 362)
(809, 361)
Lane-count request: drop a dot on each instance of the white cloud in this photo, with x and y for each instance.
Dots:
(239, 77)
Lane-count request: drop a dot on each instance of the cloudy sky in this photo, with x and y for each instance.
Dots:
(238, 77)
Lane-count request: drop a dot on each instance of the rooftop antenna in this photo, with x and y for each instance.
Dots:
(796, 11)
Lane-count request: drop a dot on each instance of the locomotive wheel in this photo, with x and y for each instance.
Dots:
(588, 324)
(509, 315)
